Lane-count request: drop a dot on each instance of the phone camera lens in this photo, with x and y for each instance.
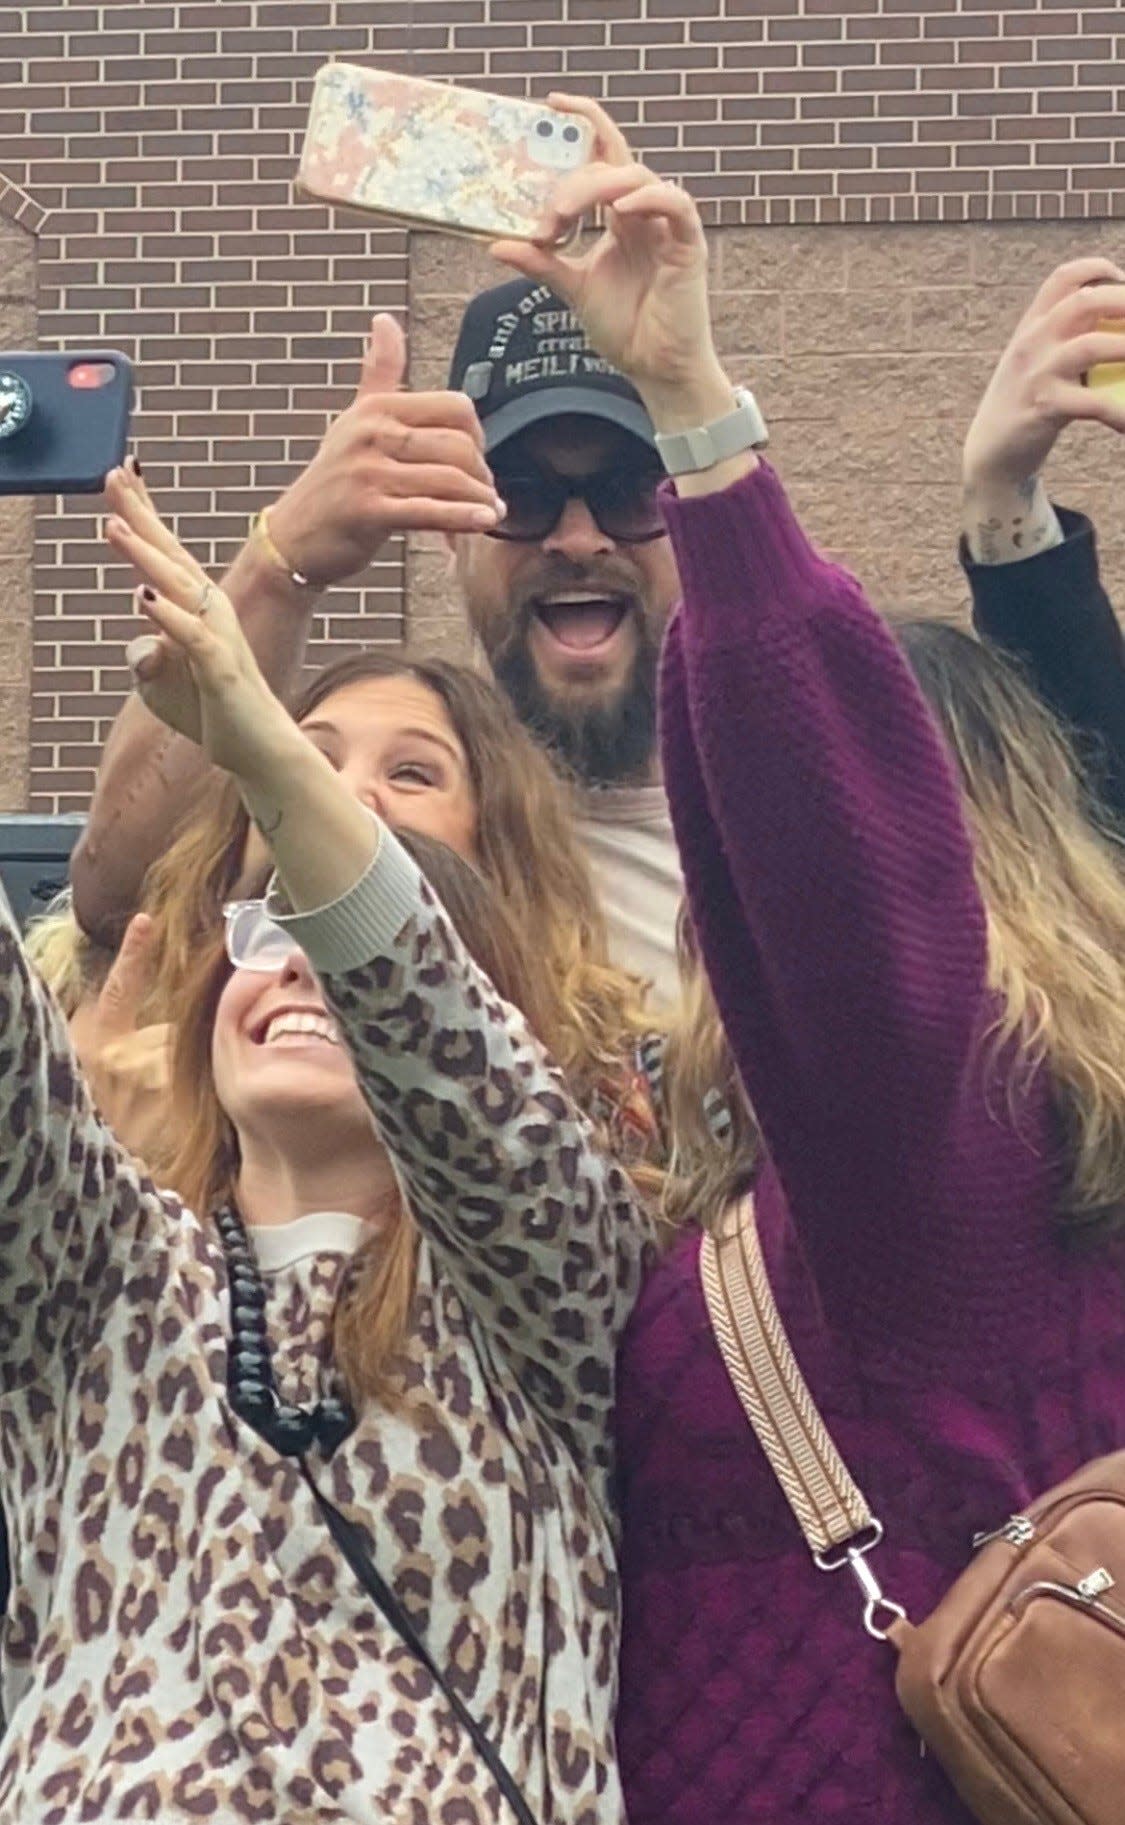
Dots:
(570, 134)
(544, 129)
(15, 404)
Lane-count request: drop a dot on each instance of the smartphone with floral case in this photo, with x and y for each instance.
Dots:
(434, 155)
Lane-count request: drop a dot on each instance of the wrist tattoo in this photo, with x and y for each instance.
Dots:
(1026, 526)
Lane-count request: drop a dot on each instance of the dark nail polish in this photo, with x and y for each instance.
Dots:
(136, 462)
(148, 594)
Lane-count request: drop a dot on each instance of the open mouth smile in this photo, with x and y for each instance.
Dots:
(582, 621)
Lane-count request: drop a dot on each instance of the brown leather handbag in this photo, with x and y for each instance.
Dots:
(1016, 1682)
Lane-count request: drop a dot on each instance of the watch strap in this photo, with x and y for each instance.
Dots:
(689, 452)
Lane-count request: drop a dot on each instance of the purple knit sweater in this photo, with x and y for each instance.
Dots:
(964, 1360)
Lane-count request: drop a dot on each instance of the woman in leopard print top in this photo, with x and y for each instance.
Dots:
(184, 1639)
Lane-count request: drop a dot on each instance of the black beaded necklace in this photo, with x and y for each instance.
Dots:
(290, 1429)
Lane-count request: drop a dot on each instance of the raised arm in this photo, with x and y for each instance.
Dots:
(829, 868)
(393, 461)
(74, 1209)
(1033, 569)
(538, 1228)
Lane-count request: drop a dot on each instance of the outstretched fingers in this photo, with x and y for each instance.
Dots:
(186, 629)
(129, 499)
(168, 570)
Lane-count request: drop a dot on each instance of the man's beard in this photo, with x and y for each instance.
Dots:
(600, 744)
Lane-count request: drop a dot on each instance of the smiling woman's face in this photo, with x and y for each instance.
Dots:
(277, 1059)
(392, 743)
(274, 1051)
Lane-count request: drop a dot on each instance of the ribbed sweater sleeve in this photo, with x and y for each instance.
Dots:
(1052, 613)
(830, 876)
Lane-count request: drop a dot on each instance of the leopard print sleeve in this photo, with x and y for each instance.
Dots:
(538, 1228)
(73, 1205)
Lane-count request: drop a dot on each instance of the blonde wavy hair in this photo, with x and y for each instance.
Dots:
(712, 1141)
(73, 965)
(1052, 879)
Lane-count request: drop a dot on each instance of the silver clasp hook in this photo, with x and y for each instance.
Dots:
(880, 1613)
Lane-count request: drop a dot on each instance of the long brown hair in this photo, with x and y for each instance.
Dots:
(591, 1011)
(373, 1312)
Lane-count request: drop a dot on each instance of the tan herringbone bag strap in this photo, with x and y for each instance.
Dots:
(829, 1507)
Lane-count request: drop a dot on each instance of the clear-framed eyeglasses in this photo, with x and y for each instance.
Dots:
(254, 940)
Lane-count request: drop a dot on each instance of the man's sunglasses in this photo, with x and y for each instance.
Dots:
(623, 504)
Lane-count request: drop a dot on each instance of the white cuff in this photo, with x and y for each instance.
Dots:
(364, 922)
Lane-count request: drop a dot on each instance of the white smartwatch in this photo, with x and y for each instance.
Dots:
(688, 452)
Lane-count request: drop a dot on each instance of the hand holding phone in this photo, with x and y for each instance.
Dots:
(64, 419)
(437, 156)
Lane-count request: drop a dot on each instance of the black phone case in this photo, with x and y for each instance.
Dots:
(73, 436)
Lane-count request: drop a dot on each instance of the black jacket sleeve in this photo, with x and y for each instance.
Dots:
(1051, 612)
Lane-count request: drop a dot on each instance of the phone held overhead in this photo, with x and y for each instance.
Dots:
(64, 419)
(435, 155)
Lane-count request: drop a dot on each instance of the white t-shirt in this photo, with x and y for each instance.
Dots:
(626, 832)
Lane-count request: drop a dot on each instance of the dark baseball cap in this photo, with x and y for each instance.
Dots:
(522, 356)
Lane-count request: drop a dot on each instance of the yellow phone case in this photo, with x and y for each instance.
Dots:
(1109, 374)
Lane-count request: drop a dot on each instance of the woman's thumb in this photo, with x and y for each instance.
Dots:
(144, 656)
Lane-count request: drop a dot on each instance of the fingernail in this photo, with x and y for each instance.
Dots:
(135, 465)
(501, 508)
(485, 516)
(147, 594)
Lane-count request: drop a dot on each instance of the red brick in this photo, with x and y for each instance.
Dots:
(883, 29)
(836, 107)
(877, 133)
(801, 82)
(802, 31)
(879, 81)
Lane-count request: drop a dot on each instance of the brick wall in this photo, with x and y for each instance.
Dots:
(162, 138)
